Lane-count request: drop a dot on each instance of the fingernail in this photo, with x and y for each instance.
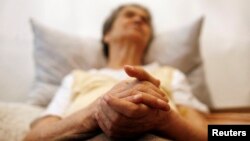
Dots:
(130, 67)
(137, 98)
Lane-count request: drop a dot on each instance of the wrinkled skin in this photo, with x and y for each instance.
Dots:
(132, 107)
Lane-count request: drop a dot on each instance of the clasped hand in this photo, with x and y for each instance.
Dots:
(132, 107)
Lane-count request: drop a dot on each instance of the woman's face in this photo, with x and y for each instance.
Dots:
(132, 23)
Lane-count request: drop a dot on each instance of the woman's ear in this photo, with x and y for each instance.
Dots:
(106, 38)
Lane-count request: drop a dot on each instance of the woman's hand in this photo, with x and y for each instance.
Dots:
(121, 118)
(132, 107)
(145, 87)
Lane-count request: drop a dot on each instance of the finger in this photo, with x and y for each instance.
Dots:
(126, 108)
(117, 120)
(112, 115)
(117, 133)
(149, 88)
(153, 87)
(122, 94)
(100, 123)
(138, 90)
(101, 118)
(156, 93)
(119, 87)
(111, 129)
(143, 86)
(141, 74)
(149, 100)
(129, 126)
(105, 129)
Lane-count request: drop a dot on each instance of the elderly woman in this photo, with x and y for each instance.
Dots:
(109, 100)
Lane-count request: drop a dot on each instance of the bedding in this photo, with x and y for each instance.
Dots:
(80, 88)
(57, 53)
(14, 124)
(15, 119)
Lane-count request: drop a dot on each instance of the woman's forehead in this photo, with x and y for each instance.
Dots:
(135, 9)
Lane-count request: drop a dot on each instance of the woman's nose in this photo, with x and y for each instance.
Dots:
(138, 19)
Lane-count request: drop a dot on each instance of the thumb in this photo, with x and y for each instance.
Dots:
(140, 74)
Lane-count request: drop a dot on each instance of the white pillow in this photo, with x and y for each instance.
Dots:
(178, 48)
(57, 53)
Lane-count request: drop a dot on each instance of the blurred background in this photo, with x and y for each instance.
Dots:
(225, 39)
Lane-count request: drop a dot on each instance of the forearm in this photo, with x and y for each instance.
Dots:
(52, 128)
(181, 129)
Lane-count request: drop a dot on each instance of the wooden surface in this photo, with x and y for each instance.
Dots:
(228, 118)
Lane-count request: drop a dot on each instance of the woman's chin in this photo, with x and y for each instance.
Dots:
(135, 37)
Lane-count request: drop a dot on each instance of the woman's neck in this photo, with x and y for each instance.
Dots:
(125, 53)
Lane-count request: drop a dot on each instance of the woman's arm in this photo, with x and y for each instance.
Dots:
(81, 124)
(182, 128)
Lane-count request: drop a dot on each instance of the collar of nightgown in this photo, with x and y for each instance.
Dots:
(120, 73)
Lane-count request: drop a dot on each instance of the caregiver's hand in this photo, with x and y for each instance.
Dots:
(132, 107)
